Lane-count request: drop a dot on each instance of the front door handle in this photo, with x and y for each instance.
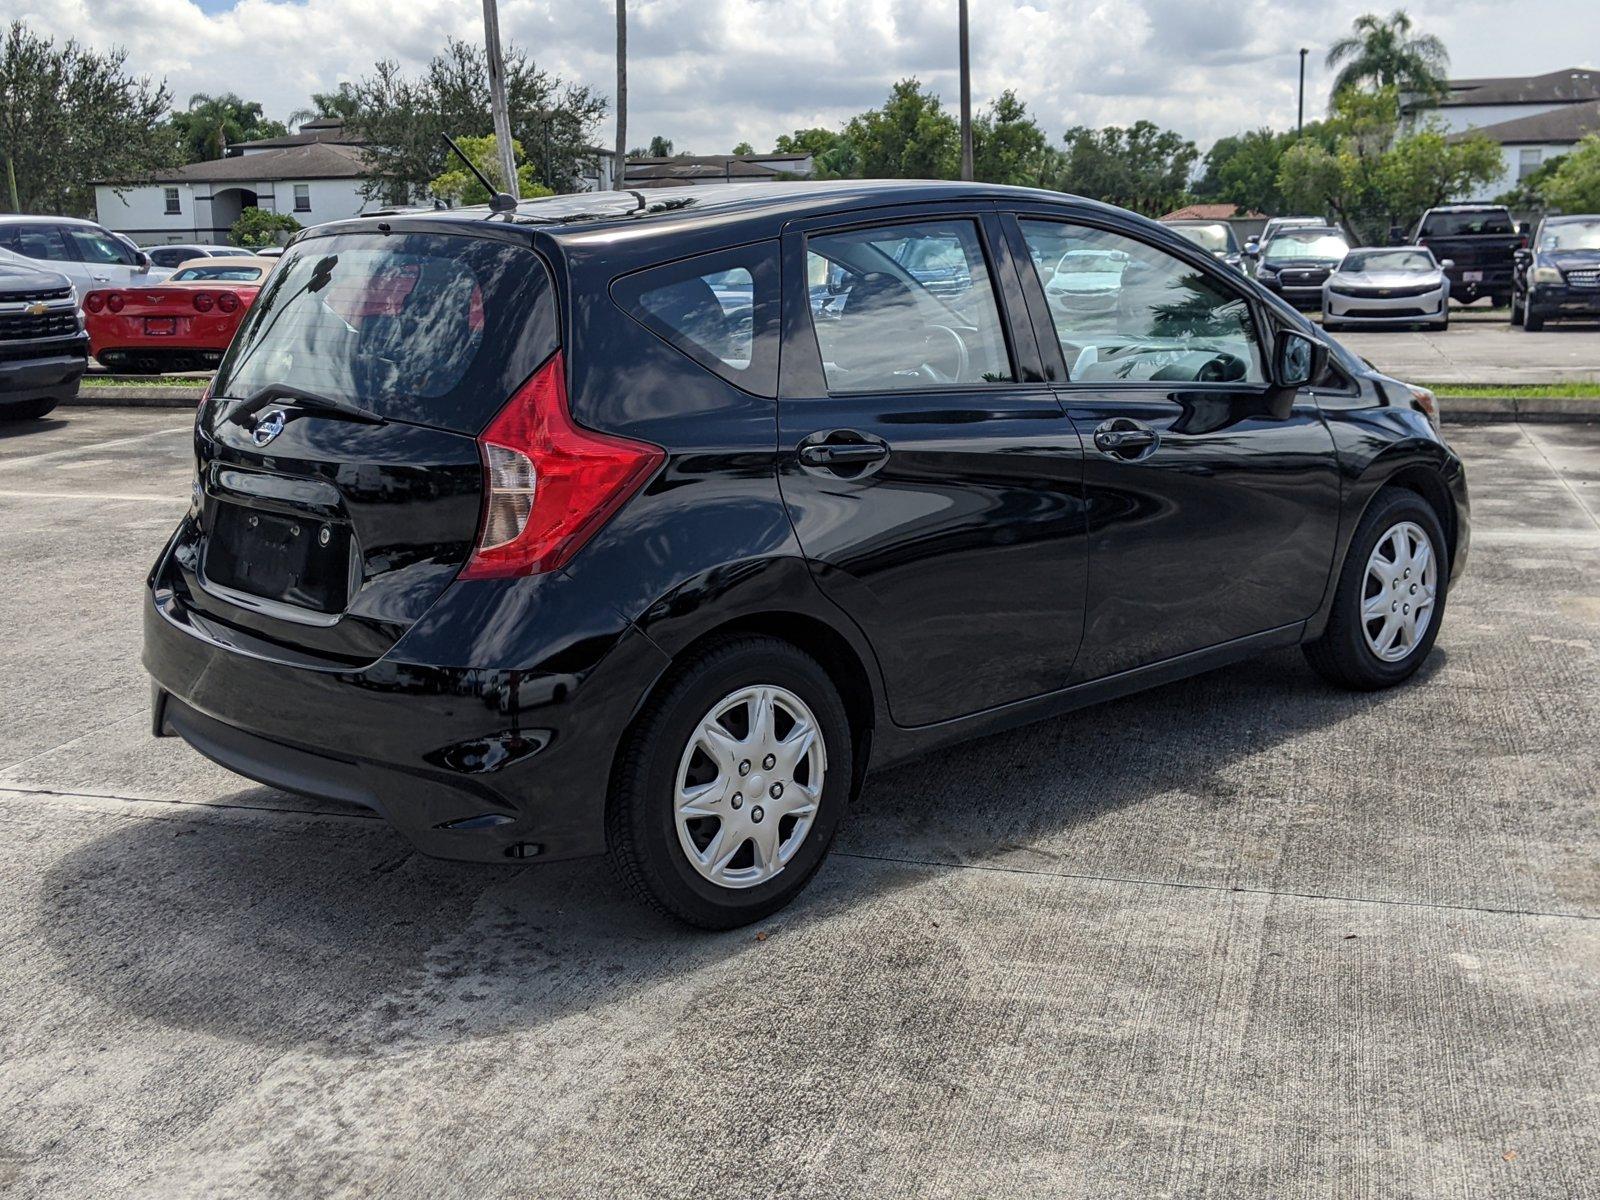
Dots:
(828, 456)
(1123, 437)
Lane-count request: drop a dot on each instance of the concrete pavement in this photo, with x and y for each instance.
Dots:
(1482, 346)
(1243, 936)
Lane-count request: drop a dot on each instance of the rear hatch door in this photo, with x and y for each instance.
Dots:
(339, 483)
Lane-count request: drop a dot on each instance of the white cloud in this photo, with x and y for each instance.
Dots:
(711, 73)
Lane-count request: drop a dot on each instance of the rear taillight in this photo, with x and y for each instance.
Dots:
(203, 301)
(114, 302)
(228, 302)
(548, 484)
(94, 302)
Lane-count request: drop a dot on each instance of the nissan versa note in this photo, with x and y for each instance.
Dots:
(646, 524)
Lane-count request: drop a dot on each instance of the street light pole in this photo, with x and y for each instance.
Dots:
(1300, 117)
(497, 98)
(966, 96)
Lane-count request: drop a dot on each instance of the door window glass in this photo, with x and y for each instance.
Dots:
(36, 241)
(1127, 311)
(93, 246)
(720, 309)
(905, 307)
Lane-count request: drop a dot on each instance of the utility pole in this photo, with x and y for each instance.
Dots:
(497, 99)
(1300, 116)
(619, 166)
(966, 96)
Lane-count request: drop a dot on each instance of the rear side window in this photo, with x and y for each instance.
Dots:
(36, 241)
(433, 328)
(719, 309)
(1466, 224)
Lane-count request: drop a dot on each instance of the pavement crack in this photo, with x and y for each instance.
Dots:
(1214, 887)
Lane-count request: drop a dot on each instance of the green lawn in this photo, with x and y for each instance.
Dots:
(95, 382)
(1574, 390)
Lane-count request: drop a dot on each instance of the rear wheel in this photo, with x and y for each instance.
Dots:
(732, 785)
(1516, 310)
(1390, 597)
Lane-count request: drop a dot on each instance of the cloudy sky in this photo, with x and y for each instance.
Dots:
(711, 73)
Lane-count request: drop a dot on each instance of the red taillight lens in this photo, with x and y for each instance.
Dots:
(203, 301)
(228, 302)
(548, 483)
(94, 302)
(114, 302)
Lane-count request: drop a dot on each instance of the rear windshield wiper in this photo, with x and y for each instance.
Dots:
(301, 399)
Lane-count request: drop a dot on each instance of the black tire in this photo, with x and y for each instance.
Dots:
(1341, 655)
(1532, 321)
(641, 827)
(1516, 310)
(29, 410)
(1331, 326)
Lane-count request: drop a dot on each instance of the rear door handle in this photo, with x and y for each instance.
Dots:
(827, 456)
(844, 452)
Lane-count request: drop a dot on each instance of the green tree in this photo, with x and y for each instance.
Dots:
(460, 186)
(744, 148)
(1574, 185)
(70, 116)
(402, 119)
(1375, 180)
(1243, 169)
(256, 227)
(910, 137)
(1142, 167)
(1008, 146)
(833, 156)
(660, 147)
(1384, 52)
(341, 104)
(213, 123)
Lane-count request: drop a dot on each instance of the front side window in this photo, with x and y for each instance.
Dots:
(32, 240)
(905, 307)
(95, 246)
(171, 196)
(302, 197)
(1125, 311)
(720, 309)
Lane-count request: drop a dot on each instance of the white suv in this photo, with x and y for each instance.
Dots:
(87, 254)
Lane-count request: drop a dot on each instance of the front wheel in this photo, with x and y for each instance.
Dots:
(1390, 597)
(1531, 321)
(732, 784)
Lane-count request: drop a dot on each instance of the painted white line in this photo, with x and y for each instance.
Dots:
(184, 430)
(175, 498)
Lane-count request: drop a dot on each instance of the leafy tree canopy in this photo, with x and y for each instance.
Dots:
(1574, 185)
(1386, 52)
(256, 227)
(910, 137)
(1142, 167)
(70, 116)
(460, 186)
(213, 123)
(1008, 146)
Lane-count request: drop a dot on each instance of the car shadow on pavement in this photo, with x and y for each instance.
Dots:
(322, 928)
(36, 426)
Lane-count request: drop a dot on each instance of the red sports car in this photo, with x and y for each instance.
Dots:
(184, 323)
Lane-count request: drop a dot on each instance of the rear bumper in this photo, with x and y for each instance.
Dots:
(54, 373)
(1494, 279)
(468, 763)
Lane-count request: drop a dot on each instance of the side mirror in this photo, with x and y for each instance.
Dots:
(1522, 257)
(1446, 263)
(1252, 247)
(143, 260)
(1297, 359)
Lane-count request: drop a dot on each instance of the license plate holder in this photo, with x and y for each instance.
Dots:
(160, 326)
(278, 557)
(1472, 277)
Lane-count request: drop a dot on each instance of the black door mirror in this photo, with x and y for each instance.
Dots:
(1297, 359)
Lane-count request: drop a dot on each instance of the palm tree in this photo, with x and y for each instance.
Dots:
(1384, 53)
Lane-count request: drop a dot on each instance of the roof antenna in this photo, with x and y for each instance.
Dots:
(498, 201)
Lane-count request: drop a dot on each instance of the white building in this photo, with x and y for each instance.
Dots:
(1534, 118)
(315, 175)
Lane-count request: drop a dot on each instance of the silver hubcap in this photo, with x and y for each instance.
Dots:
(1397, 601)
(749, 784)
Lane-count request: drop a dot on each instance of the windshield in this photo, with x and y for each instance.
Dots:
(1212, 238)
(1467, 224)
(1571, 235)
(220, 274)
(433, 328)
(1297, 244)
(1389, 260)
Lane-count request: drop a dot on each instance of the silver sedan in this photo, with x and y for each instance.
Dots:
(1395, 285)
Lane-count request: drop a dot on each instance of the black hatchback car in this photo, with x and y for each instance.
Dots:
(587, 528)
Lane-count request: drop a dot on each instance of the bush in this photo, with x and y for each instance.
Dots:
(258, 227)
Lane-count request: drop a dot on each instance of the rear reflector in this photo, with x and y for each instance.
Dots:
(548, 484)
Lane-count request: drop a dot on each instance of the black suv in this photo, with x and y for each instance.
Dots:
(1560, 276)
(589, 527)
(43, 348)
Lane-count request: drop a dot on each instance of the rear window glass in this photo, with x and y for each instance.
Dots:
(1465, 224)
(432, 328)
(720, 309)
